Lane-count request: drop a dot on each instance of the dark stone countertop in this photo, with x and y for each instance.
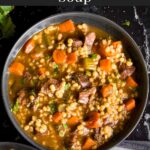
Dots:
(25, 17)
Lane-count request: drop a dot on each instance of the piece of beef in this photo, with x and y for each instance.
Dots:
(89, 40)
(83, 80)
(27, 75)
(128, 71)
(77, 43)
(84, 95)
(97, 135)
(45, 86)
(73, 141)
(22, 99)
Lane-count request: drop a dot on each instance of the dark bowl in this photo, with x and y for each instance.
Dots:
(14, 146)
(108, 26)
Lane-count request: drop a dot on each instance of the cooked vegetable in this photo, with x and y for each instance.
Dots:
(59, 56)
(110, 50)
(71, 83)
(130, 104)
(131, 82)
(29, 46)
(105, 65)
(57, 117)
(89, 143)
(67, 26)
(107, 90)
(15, 107)
(89, 64)
(53, 108)
(17, 68)
(72, 58)
(94, 120)
(73, 121)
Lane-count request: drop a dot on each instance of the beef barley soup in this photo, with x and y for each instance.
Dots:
(72, 87)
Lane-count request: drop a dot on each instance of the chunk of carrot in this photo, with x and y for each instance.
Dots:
(105, 51)
(88, 144)
(130, 104)
(59, 56)
(117, 44)
(42, 70)
(72, 58)
(105, 65)
(67, 26)
(94, 120)
(57, 117)
(17, 68)
(131, 82)
(73, 121)
(29, 46)
(94, 124)
(107, 90)
(110, 50)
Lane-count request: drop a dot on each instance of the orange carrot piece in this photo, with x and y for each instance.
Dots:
(67, 26)
(17, 68)
(88, 144)
(130, 104)
(59, 56)
(29, 46)
(93, 120)
(107, 90)
(72, 58)
(116, 44)
(131, 82)
(105, 52)
(42, 70)
(73, 121)
(57, 117)
(92, 116)
(105, 65)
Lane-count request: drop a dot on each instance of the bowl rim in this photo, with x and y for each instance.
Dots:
(24, 146)
(59, 15)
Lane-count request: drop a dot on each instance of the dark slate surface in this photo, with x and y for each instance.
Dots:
(25, 17)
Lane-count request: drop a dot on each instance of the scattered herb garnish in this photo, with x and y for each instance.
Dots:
(126, 23)
(94, 56)
(55, 66)
(67, 86)
(15, 107)
(65, 126)
(53, 108)
(33, 92)
(47, 56)
(7, 27)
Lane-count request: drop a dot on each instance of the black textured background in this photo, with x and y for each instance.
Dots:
(25, 17)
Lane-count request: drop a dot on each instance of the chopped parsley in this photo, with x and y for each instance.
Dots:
(55, 66)
(94, 56)
(67, 86)
(65, 126)
(53, 108)
(126, 23)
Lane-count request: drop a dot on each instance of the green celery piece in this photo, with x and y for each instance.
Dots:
(15, 107)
